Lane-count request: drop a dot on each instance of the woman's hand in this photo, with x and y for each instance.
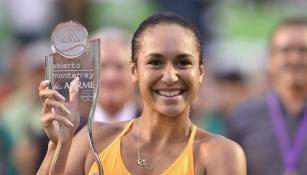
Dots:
(57, 115)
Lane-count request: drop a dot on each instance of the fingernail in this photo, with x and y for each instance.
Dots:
(77, 82)
(63, 98)
(76, 79)
(46, 81)
(71, 124)
(74, 83)
(67, 111)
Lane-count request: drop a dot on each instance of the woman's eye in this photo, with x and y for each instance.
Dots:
(184, 63)
(155, 62)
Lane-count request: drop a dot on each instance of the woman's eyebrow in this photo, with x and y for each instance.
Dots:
(184, 55)
(154, 55)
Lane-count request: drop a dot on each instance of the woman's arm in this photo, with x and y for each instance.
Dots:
(58, 118)
(225, 158)
(45, 166)
(59, 166)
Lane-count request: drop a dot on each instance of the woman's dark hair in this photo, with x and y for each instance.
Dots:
(163, 18)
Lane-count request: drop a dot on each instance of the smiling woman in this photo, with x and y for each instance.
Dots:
(168, 67)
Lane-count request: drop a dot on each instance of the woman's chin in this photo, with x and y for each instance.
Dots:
(171, 112)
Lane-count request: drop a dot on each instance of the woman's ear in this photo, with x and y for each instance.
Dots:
(134, 72)
(201, 72)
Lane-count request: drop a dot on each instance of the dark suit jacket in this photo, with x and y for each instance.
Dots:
(251, 126)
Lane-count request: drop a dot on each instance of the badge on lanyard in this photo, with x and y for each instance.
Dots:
(290, 153)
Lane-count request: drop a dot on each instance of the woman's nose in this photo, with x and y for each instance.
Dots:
(170, 75)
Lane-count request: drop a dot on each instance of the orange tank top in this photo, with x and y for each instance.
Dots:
(113, 164)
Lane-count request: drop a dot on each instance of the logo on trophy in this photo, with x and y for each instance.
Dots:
(74, 56)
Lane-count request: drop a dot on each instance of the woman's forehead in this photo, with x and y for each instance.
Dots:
(169, 37)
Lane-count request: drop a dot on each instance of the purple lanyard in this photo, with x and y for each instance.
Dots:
(290, 152)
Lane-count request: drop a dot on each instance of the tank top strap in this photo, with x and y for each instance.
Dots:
(193, 133)
(123, 132)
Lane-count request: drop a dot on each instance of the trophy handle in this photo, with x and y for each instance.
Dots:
(57, 151)
(92, 112)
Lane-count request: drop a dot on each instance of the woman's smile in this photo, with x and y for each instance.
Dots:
(170, 93)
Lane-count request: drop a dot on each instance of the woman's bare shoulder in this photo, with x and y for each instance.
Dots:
(219, 153)
(205, 138)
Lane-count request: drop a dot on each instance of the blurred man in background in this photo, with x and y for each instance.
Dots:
(117, 98)
(272, 128)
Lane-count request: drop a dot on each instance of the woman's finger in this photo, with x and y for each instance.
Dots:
(74, 90)
(46, 93)
(44, 85)
(49, 104)
(47, 120)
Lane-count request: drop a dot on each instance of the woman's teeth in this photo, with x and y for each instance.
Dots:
(169, 93)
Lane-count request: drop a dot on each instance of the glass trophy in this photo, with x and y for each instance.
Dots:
(74, 56)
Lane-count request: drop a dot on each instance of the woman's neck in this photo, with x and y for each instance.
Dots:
(158, 129)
